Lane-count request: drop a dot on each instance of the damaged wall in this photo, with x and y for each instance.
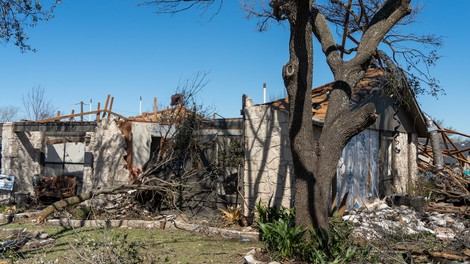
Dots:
(141, 141)
(373, 164)
(143, 136)
(268, 171)
(358, 169)
(108, 147)
(22, 153)
(405, 163)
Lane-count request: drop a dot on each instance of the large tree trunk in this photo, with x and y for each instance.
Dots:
(298, 74)
(315, 162)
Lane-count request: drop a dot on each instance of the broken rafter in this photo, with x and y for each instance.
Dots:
(445, 137)
(97, 112)
(100, 113)
(459, 151)
(453, 132)
(106, 106)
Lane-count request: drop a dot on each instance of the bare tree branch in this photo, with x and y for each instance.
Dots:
(384, 20)
(177, 6)
(8, 113)
(17, 15)
(35, 104)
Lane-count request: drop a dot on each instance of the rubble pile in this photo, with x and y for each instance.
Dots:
(378, 219)
(395, 225)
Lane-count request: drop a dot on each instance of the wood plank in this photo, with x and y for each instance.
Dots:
(98, 112)
(106, 105)
(72, 115)
(58, 118)
(111, 104)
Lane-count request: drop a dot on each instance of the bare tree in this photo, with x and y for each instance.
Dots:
(315, 161)
(36, 105)
(8, 113)
(352, 18)
(17, 15)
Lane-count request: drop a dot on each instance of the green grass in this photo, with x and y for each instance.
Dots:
(114, 245)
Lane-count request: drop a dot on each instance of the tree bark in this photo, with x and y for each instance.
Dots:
(297, 75)
(315, 162)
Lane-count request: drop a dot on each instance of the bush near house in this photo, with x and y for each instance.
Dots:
(285, 241)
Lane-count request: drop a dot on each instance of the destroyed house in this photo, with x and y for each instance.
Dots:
(60, 157)
(381, 160)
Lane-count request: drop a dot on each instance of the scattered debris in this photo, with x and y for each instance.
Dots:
(377, 221)
(21, 240)
(53, 188)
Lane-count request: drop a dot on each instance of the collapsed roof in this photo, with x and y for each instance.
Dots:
(369, 89)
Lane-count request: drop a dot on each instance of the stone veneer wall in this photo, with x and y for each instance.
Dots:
(21, 155)
(268, 172)
(405, 164)
(22, 151)
(109, 148)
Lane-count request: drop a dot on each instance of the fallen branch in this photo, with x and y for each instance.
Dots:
(62, 204)
(448, 255)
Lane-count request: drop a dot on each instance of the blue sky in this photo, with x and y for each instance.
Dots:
(92, 48)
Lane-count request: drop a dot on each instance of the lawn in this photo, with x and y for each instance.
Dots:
(125, 245)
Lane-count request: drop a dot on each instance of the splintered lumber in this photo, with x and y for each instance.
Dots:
(447, 138)
(448, 209)
(415, 249)
(455, 132)
(115, 114)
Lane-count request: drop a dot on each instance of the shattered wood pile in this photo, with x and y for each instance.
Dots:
(447, 213)
(454, 180)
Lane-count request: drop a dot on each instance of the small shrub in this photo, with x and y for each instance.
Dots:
(335, 248)
(284, 240)
(233, 214)
(269, 214)
(81, 213)
(8, 209)
(277, 231)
